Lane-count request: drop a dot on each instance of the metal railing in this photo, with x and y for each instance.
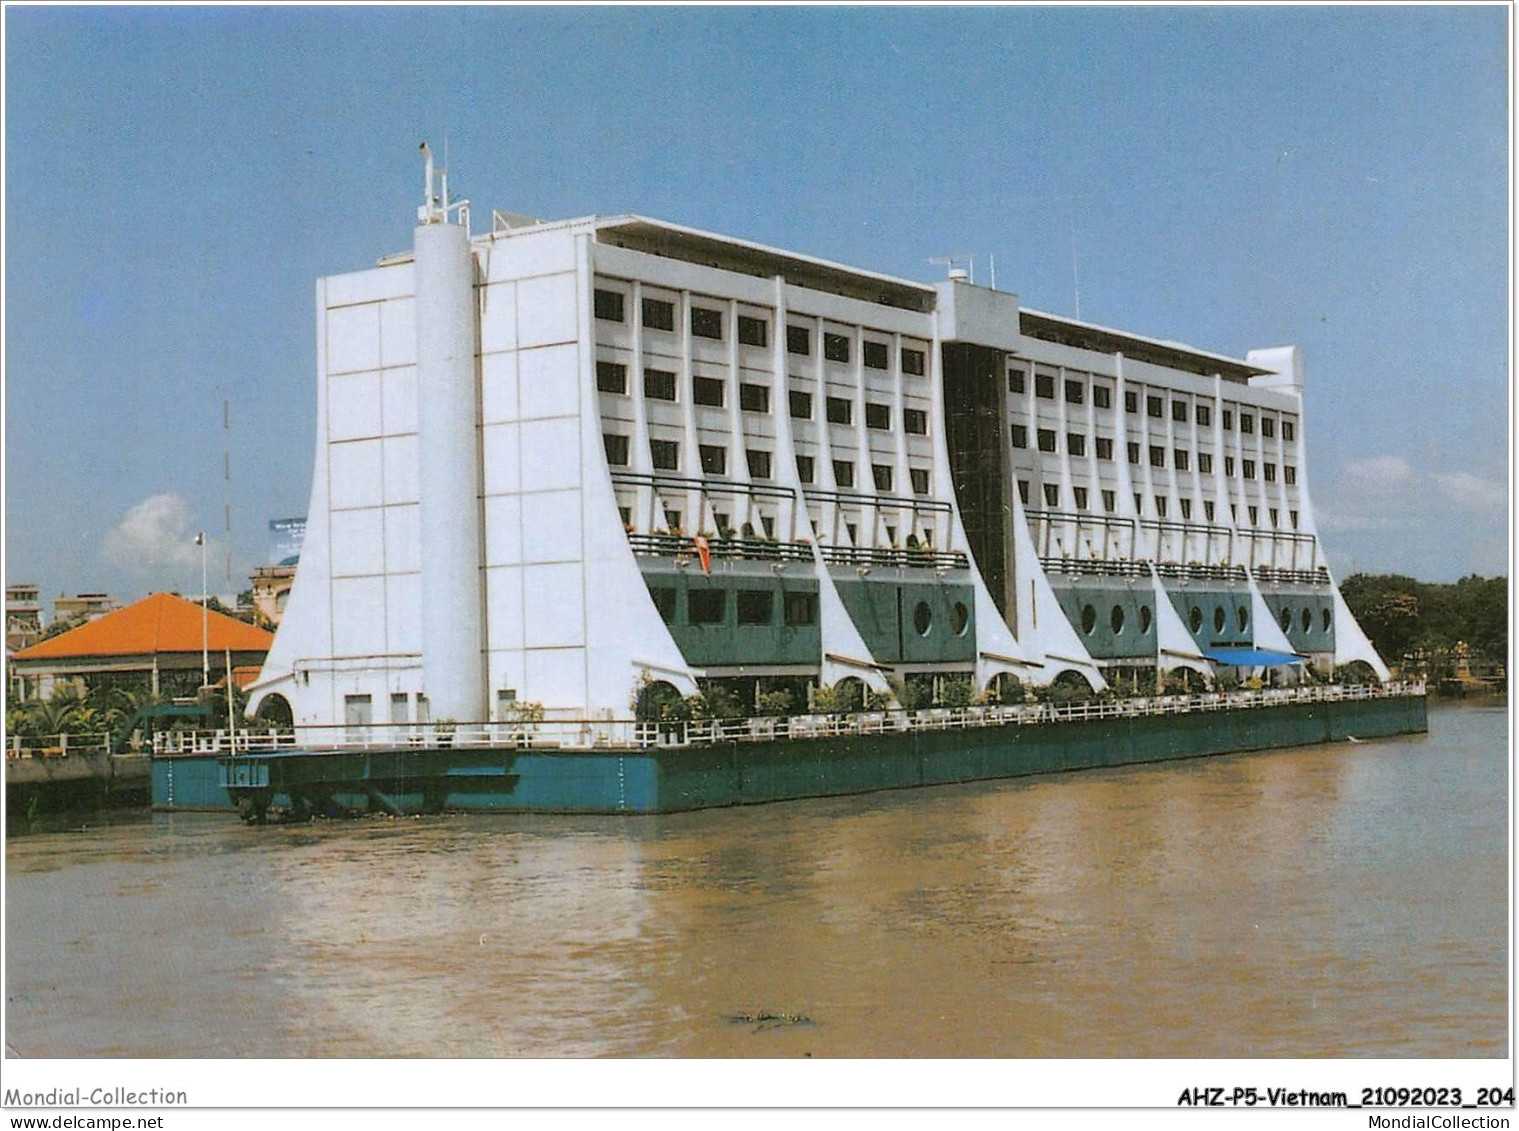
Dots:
(1276, 574)
(721, 549)
(590, 735)
(924, 557)
(56, 745)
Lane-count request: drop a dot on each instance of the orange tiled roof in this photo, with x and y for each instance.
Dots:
(160, 623)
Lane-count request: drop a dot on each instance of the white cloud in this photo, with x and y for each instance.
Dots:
(1472, 492)
(155, 536)
(1378, 471)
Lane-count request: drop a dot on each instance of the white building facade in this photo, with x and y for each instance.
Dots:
(561, 461)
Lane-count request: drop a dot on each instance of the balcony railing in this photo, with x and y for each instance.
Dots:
(921, 557)
(571, 736)
(1279, 574)
(721, 549)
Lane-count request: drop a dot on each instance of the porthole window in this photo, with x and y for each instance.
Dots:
(1327, 620)
(1116, 620)
(1195, 619)
(960, 618)
(1286, 620)
(922, 618)
(1219, 619)
(1243, 616)
(1144, 618)
(1307, 620)
(1088, 619)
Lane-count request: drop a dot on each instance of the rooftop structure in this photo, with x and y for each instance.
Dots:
(616, 452)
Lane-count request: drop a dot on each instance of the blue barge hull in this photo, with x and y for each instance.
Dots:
(672, 779)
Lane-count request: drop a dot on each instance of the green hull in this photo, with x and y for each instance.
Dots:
(673, 779)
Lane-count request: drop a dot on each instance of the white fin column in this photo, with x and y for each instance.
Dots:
(449, 469)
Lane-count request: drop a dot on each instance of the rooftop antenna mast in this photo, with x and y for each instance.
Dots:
(436, 207)
(958, 274)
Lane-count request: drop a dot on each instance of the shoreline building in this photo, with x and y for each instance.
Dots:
(560, 461)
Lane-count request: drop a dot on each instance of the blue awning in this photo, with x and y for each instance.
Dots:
(1252, 657)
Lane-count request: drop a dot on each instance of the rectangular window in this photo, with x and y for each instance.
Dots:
(754, 398)
(1182, 460)
(801, 405)
(706, 323)
(1268, 428)
(1023, 491)
(1155, 407)
(1046, 440)
(1161, 504)
(759, 464)
(1081, 497)
(1272, 512)
(617, 449)
(1075, 392)
(1290, 474)
(1289, 430)
(1229, 466)
(1269, 470)
(658, 385)
(672, 520)
(1208, 511)
(1179, 411)
(1131, 402)
(1104, 448)
(1255, 516)
(875, 355)
(1293, 516)
(1228, 421)
(1110, 501)
(608, 305)
(1015, 381)
(798, 340)
(913, 362)
(1246, 424)
(1204, 415)
(840, 411)
(1020, 436)
(915, 421)
(1102, 396)
(843, 472)
(754, 606)
(664, 455)
(1052, 494)
(1076, 443)
(877, 415)
(1186, 510)
(881, 473)
(658, 314)
(752, 331)
(919, 476)
(804, 468)
(1133, 452)
(611, 377)
(626, 514)
(714, 459)
(664, 601)
(835, 347)
(707, 391)
(801, 609)
(1249, 469)
(706, 606)
(1139, 503)
(1044, 386)
(767, 524)
(1205, 463)
(1157, 456)
(400, 704)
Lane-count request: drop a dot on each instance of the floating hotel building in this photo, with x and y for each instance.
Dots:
(563, 460)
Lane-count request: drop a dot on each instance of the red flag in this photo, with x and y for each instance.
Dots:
(704, 552)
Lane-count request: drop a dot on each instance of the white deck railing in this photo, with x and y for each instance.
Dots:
(627, 734)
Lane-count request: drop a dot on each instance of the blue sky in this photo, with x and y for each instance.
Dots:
(1233, 178)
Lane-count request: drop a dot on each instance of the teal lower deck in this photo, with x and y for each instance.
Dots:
(673, 779)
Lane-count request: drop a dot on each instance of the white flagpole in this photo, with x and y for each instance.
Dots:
(205, 654)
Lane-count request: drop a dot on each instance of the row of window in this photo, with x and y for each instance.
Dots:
(1081, 497)
(659, 385)
(664, 455)
(751, 606)
(659, 314)
(1076, 445)
(1102, 397)
(1116, 620)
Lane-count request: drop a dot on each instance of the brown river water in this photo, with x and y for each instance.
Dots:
(1346, 900)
